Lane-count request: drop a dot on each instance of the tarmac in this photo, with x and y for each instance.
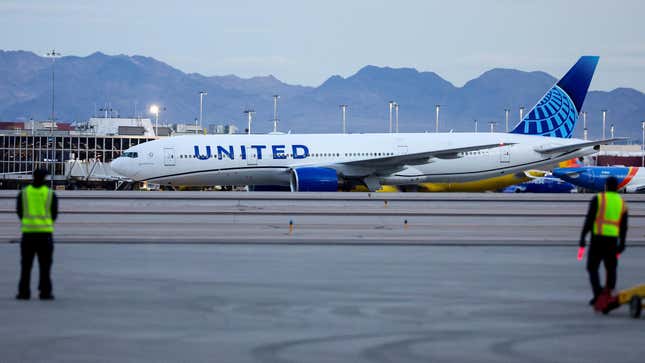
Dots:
(277, 303)
(320, 218)
(220, 277)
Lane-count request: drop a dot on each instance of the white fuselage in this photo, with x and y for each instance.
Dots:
(268, 159)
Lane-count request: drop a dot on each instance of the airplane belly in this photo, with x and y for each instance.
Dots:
(254, 176)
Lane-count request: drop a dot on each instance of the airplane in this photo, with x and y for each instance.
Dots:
(630, 179)
(327, 162)
(483, 185)
(491, 184)
(544, 184)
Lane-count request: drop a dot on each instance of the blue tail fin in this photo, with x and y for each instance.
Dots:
(557, 112)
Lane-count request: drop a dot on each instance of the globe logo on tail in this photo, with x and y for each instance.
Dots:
(555, 115)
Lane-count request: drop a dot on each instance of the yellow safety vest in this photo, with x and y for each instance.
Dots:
(37, 210)
(610, 212)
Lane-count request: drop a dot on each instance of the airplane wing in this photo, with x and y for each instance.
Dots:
(388, 162)
(574, 147)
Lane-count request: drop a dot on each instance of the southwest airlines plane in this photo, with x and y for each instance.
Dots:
(325, 162)
(630, 179)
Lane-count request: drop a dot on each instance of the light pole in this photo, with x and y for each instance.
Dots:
(506, 111)
(611, 130)
(343, 108)
(249, 113)
(436, 120)
(584, 122)
(201, 106)
(521, 113)
(643, 144)
(492, 126)
(396, 116)
(53, 55)
(475, 126)
(154, 109)
(275, 112)
(604, 120)
(106, 109)
(391, 104)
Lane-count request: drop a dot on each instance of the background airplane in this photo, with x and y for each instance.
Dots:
(483, 185)
(630, 179)
(545, 184)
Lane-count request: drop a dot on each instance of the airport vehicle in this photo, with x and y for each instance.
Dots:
(630, 179)
(633, 296)
(545, 184)
(325, 162)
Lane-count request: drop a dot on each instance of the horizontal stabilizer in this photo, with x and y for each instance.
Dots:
(580, 145)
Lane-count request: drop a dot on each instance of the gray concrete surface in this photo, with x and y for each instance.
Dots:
(253, 303)
(323, 218)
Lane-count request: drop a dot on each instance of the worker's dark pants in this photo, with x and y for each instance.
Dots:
(602, 249)
(33, 244)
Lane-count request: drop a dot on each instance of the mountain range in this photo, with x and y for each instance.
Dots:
(128, 85)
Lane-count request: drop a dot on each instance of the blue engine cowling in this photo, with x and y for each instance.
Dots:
(313, 179)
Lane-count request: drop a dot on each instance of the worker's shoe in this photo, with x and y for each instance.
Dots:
(22, 297)
(592, 302)
(47, 297)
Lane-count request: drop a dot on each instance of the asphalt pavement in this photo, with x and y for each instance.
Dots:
(320, 218)
(314, 303)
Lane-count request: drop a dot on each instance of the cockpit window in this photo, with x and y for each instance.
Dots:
(130, 154)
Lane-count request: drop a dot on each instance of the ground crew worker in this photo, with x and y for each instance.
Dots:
(607, 222)
(37, 208)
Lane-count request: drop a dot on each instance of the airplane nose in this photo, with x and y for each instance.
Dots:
(118, 165)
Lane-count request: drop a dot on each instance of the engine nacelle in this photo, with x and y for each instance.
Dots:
(314, 179)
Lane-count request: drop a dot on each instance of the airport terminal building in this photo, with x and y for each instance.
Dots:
(75, 156)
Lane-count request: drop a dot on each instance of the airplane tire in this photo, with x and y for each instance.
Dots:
(635, 307)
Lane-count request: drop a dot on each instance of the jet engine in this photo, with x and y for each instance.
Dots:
(314, 179)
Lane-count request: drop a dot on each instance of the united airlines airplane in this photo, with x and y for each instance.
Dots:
(325, 162)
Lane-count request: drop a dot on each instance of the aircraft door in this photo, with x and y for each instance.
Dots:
(402, 149)
(169, 156)
(251, 156)
(505, 155)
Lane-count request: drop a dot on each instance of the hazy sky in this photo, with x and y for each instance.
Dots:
(304, 42)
